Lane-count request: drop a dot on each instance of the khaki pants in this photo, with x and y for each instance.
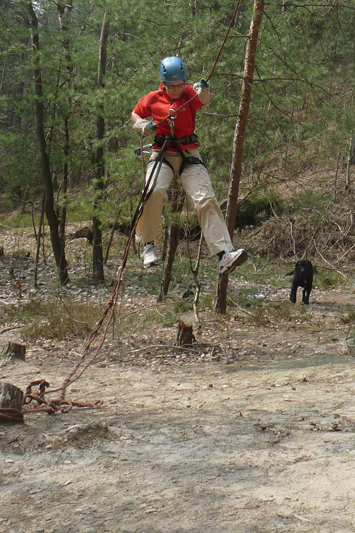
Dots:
(197, 185)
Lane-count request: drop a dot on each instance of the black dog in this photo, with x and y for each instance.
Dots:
(302, 276)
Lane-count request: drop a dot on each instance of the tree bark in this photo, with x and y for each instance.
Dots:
(220, 303)
(64, 15)
(57, 244)
(15, 351)
(38, 247)
(176, 207)
(11, 396)
(97, 256)
(185, 334)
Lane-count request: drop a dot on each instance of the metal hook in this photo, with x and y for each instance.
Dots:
(172, 114)
(138, 151)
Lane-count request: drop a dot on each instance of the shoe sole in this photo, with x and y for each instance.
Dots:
(153, 263)
(238, 261)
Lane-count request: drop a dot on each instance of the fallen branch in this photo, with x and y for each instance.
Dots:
(346, 253)
(327, 262)
(241, 308)
(10, 328)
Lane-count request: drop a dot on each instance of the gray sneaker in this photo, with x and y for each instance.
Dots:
(232, 259)
(149, 256)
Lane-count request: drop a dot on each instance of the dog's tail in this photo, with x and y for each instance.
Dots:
(290, 273)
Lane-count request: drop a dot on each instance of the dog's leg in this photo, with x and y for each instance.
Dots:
(293, 293)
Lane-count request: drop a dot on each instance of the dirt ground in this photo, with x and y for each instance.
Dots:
(251, 429)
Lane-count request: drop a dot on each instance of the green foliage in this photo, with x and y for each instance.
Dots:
(79, 209)
(301, 111)
(309, 199)
(255, 209)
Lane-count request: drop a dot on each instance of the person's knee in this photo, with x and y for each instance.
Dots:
(157, 199)
(205, 202)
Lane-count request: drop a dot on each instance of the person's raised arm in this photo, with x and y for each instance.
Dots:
(202, 88)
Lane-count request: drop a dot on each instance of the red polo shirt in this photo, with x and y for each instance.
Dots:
(157, 104)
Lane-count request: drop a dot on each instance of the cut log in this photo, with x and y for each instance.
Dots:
(184, 335)
(11, 398)
(15, 351)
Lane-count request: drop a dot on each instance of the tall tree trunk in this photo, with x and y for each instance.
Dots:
(63, 211)
(220, 303)
(64, 16)
(57, 244)
(97, 258)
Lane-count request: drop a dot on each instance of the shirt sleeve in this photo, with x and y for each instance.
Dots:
(143, 108)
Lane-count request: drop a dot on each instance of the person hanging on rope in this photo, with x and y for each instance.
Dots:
(170, 114)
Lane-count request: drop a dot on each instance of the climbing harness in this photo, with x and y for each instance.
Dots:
(189, 139)
(189, 160)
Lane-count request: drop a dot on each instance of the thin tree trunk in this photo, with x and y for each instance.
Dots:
(25, 197)
(38, 247)
(220, 303)
(97, 259)
(108, 248)
(351, 161)
(176, 207)
(63, 212)
(64, 15)
(57, 244)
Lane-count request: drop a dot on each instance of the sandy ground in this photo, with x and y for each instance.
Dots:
(251, 432)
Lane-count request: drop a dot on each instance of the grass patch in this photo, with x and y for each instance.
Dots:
(328, 279)
(51, 321)
(264, 271)
(167, 318)
(20, 221)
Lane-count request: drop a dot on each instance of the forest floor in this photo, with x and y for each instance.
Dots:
(251, 429)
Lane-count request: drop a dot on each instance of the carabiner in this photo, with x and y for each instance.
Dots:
(138, 151)
(172, 114)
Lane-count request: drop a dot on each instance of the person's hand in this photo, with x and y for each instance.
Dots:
(153, 127)
(146, 127)
(201, 87)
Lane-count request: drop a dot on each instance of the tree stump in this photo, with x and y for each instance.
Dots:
(15, 351)
(11, 398)
(184, 335)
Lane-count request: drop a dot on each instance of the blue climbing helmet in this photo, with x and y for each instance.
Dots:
(172, 69)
